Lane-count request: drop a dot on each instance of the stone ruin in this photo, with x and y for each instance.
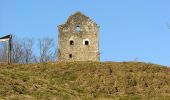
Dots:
(78, 39)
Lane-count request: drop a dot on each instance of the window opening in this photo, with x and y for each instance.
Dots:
(78, 28)
(70, 55)
(71, 42)
(86, 42)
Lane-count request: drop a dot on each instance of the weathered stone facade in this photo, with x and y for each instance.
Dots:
(78, 39)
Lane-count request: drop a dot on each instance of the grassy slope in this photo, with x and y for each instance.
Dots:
(85, 80)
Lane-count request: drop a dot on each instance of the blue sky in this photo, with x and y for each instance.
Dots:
(129, 29)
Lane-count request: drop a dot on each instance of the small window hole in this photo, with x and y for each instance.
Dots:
(71, 42)
(86, 42)
(78, 28)
(70, 55)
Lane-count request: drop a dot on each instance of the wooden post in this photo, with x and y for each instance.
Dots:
(7, 53)
(9, 49)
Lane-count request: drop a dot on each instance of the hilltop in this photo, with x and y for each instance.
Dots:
(85, 80)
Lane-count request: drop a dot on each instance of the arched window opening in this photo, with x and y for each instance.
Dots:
(70, 56)
(86, 42)
(78, 28)
(71, 42)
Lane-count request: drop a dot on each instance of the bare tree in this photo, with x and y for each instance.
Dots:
(17, 50)
(27, 53)
(23, 52)
(54, 56)
(46, 49)
(3, 52)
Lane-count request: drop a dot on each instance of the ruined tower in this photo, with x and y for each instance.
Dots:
(78, 39)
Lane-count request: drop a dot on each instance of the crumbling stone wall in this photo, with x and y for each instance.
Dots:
(78, 39)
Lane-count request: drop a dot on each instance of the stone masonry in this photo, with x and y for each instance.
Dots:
(78, 39)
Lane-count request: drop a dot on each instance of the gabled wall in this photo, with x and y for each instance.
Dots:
(78, 39)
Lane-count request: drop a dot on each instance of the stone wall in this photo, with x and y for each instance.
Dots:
(78, 39)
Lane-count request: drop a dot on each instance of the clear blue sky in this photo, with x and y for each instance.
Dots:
(129, 29)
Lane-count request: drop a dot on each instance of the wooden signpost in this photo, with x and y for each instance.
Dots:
(9, 39)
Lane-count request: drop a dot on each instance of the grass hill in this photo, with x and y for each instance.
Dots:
(85, 80)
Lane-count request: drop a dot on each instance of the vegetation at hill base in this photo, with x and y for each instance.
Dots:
(84, 80)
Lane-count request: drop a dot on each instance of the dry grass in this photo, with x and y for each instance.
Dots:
(85, 80)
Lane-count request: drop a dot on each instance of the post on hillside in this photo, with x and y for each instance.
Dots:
(9, 49)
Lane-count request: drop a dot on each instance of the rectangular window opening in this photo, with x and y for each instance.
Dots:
(78, 28)
(86, 42)
(70, 56)
(71, 42)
